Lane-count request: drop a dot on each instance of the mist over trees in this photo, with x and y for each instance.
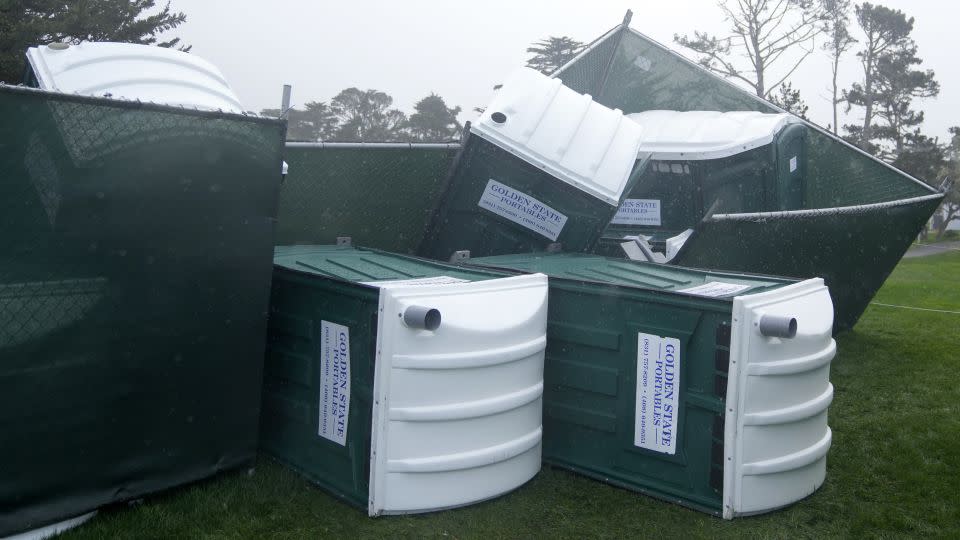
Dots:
(25, 24)
(951, 203)
(356, 115)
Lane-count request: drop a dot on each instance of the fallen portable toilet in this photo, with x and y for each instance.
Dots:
(704, 388)
(708, 162)
(543, 165)
(402, 385)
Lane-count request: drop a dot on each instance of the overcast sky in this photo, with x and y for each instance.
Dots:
(460, 49)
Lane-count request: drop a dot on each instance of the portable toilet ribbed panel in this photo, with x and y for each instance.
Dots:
(707, 162)
(543, 164)
(704, 388)
(402, 385)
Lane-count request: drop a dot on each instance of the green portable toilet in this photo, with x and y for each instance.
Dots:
(402, 385)
(542, 165)
(703, 388)
(708, 162)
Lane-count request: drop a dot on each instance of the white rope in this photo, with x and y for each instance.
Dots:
(916, 308)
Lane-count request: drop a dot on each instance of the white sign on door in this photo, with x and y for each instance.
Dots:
(334, 382)
(658, 393)
(638, 212)
(522, 209)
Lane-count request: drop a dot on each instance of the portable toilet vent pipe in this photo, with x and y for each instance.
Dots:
(402, 385)
(708, 162)
(703, 388)
(543, 165)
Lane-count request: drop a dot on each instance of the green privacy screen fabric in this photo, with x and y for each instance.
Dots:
(381, 195)
(854, 249)
(136, 246)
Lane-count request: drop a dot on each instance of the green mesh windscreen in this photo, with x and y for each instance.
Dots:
(854, 250)
(585, 75)
(136, 244)
(841, 176)
(646, 76)
(382, 197)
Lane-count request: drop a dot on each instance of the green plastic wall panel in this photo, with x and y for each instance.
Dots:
(461, 224)
(289, 425)
(381, 197)
(312, 284)
(598, 306)
(129, 362)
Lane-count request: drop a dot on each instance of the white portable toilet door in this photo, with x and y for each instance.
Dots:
(457, 408)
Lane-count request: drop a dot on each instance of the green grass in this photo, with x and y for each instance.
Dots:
(893, 471)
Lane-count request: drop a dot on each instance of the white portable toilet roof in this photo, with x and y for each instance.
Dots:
(134, 72)
(699, 135)
(572, 137)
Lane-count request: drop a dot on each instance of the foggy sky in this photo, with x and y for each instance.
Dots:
(459, 50)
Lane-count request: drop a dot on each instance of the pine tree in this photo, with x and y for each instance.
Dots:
(788, 99)
(433, 120)
(552, 53)
(26, 23)
(890, 82)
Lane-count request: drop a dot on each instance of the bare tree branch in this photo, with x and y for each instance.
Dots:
(762, 33)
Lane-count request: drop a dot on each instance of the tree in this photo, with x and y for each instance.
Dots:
(921, 156)
(317, 122)
(835, 25)
(25, 23)
(433, 121)
(552, 53)
(951, 203)
(365, 115)
(788, 99)
(887, 48)
(761, 32)
(898, 84)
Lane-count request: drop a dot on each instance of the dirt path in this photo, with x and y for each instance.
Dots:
(931, 249)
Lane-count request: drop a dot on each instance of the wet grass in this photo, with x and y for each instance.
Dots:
(893, 471)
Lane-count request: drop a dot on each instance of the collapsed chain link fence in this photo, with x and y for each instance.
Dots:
(135, 260)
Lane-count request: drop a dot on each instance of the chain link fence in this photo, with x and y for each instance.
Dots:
(382, 195)
(135, 262)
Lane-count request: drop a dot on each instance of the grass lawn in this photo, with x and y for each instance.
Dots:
(893, 471)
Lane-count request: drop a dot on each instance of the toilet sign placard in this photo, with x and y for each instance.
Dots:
(334, 382)
(658, 393)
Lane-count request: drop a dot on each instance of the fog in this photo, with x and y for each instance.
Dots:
(459, 50)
